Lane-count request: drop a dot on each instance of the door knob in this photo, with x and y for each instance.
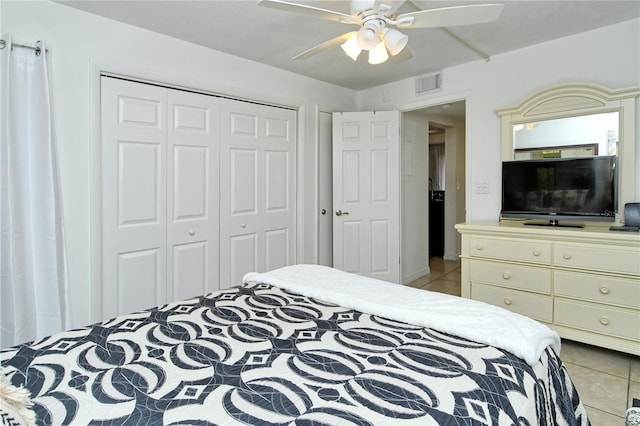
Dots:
(340, 213)
(323, 211)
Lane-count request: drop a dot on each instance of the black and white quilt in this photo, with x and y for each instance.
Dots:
(258, 354)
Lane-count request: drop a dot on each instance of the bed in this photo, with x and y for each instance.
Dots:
(302, 345)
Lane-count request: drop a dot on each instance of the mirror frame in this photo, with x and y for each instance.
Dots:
(569, 100)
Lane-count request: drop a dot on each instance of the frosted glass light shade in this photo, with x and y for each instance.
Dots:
(394, 40)
(368, 37)
(351, 47)
(378, 54)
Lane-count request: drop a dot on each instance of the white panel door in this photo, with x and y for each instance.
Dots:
(160, 183)
(192, 194)
(366, 193)
(257, 189)
(133, 190)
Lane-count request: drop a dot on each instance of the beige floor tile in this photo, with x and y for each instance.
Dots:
(439, 269)
(416, 283)
(443, 286)
(600, 390)
(451, 265)
(453, 276)
(434, 275)
(443, 265)
(600, 359)
(635, 369)
(601, 418)
(634, 392)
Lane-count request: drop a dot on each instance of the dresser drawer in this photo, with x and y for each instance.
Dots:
(597, 288)
(597, 257)
(532, 305)
(521, 251)
(597, 318)
(510, 275)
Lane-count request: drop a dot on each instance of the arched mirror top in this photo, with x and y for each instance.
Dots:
(579, 119)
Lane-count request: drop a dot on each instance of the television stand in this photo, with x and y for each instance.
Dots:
(554, 222)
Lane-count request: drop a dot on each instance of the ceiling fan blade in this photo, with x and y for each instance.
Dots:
(317, 12)
(389, 7)
(450, 16)
(325, 46)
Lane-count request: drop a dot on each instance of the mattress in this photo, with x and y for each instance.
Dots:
(262, 354)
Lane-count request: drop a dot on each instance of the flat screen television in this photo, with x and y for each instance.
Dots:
(553, 190)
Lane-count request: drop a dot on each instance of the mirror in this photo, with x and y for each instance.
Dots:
(580, 136)
(572, 120)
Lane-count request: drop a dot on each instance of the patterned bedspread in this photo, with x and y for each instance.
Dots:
(257, 354)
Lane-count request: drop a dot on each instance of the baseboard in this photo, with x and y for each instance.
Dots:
(416, 275)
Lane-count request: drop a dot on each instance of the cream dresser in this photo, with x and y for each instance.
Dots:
(582, 282)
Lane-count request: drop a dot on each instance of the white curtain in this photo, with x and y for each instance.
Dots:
(32, 260)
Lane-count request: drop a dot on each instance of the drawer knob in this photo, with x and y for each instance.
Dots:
(507, 301)
(537, 253)
(604, 290)
(567, 256)
(479, 247)
(506, 275)
(604, 320)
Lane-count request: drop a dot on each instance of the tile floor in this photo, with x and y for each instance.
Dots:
(607, 381)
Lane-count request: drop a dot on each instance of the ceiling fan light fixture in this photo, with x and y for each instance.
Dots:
(351, 47)
(378, 54)
(369, 35)
(394, 40)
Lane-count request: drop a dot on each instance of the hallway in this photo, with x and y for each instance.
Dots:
(444, 277)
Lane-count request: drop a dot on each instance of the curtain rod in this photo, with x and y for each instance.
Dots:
(37, 49)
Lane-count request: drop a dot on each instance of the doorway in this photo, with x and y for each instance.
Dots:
(433, 186)
(450, 118)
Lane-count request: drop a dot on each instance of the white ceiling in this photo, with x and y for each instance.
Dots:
(245, 29)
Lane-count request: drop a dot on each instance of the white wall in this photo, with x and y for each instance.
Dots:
(81, 43)
(609, 56)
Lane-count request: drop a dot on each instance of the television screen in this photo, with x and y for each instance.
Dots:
(571, 188)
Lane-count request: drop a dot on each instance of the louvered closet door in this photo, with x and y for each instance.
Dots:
(192, 194)
(257, 191)
(160, 218)
(134, 234)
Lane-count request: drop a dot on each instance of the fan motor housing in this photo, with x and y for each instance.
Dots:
(358, 6)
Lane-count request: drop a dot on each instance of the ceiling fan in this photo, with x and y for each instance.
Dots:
(377, 19)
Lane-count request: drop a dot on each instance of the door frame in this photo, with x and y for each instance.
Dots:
(179, 82)
(465, 96)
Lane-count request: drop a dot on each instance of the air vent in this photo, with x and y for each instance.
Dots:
(428, 83)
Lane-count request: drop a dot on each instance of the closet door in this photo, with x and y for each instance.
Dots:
(257, 192)
(192, 194)
(134, 180)
(160, 212)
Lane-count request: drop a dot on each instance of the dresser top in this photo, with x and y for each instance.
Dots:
(517, 228)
